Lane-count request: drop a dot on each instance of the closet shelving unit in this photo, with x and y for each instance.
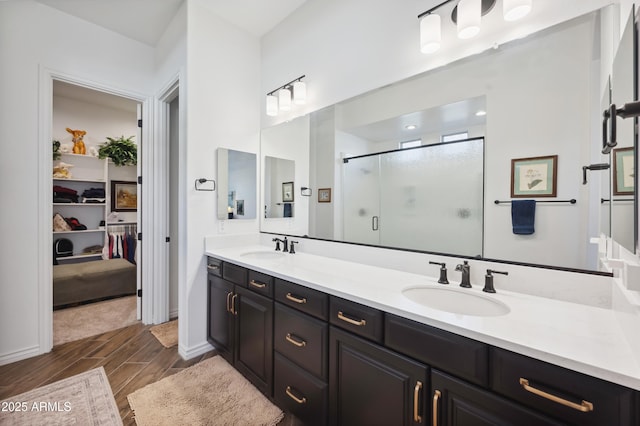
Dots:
(87, 172)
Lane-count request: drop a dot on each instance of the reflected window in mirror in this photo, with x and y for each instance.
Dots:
(237, 188)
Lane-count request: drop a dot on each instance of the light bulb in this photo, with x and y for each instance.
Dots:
(284, 99)
(513, 10)
(299, 93)
(469, 16)
(272, 105)
(430, 33)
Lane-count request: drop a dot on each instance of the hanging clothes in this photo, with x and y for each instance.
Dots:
(121, 242)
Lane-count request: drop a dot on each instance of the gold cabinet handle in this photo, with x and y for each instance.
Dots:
(584, 406)
(257, 284)
(298, 343)
(295, 299)
(436, 397)
(229, 301)
(302, 400)
(234, 311)
(351, 321)
(416, 402)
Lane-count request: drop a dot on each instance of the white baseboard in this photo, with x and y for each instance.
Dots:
(173, 314)
(194, 351)
(19, 355)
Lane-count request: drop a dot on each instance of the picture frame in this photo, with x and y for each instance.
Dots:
(240, 207)
(324, 195)
(287, 192)
(124, 196)
(534, 177)
(623, 171)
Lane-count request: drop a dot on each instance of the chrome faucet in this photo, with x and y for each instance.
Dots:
(465, 268)
(488, 280)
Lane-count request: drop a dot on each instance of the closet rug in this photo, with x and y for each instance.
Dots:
(166, 333)
(208, 393)
(96, 318)
(83, 399)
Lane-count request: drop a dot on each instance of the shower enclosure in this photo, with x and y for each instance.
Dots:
(426, 198)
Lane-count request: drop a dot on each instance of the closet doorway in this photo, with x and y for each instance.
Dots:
(96, 208)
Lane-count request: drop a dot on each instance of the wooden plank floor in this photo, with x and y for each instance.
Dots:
(131, 357)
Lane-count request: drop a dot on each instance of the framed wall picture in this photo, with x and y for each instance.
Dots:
(124, 196)
(534, 177)
(623, 171)
(240, 207)
(287, 192)
(324, 195)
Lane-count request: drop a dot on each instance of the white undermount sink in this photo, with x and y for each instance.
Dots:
(266, 255)
(457, 301)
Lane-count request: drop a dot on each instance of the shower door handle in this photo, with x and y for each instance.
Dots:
(374, 223)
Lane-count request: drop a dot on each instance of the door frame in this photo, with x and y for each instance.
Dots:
(45, 208)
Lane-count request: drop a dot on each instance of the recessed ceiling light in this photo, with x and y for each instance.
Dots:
(410, 127)
(481, 113)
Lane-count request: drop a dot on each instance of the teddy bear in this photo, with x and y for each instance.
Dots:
(61, 171)
(78, 144)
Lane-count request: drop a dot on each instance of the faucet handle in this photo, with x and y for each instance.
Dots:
(291, 249)
(277, 241)
(488, 280)
(443, 272)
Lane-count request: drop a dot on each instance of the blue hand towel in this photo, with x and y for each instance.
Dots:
(287, 210)
(523, 215)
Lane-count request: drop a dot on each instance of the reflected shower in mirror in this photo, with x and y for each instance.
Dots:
(539, 97)
(279, 187)
(237, 193)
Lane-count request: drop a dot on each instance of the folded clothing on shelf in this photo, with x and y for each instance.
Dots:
(94, 200)
(94, 193)
(61, 193)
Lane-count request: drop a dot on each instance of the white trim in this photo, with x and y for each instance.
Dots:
(14, 356)
(188, 353)
(45, 238)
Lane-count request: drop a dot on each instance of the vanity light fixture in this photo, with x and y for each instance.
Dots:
(281, 99)
(481, 113)
(467, 15)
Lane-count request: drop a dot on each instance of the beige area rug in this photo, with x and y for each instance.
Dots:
(166, 333)
(96, 318)
(208, 393)
(83, 399)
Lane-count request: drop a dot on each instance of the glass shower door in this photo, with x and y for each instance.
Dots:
(361, 200)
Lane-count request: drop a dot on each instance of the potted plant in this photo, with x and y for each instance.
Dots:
(123, 152)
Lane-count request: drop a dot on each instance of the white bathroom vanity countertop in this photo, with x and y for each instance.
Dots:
(578, 337)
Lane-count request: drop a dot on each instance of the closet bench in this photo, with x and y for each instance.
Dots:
(83, 282)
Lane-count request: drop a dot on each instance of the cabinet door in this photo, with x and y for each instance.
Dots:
(254, 338)
(458, 403)
(221, 320)
(370, 385)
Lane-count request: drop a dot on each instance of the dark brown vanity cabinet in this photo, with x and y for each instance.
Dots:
(371, 385)
(241, 325)
(301, 352)
(455, 402)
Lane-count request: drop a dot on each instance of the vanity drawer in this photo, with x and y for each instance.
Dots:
(260, 283)
(564, 394)
(302, 339)
(299, 393)
(235, 274)
(302, 298)
(214, 266)
(461, 356)
(356, 318)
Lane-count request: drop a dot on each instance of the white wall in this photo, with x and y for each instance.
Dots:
(35, 36)
(223, 98)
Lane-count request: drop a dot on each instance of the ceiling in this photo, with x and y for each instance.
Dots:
(83, 94)
(146, 20)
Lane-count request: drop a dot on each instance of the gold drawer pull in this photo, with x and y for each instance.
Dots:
(416, 402)
(213, 267)
(229, 301)
(257, 284)
(584, 406)
(434, 408)
(295, 299)
(302, 400)
(351, 321)
(234, 311)
(295, 342)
